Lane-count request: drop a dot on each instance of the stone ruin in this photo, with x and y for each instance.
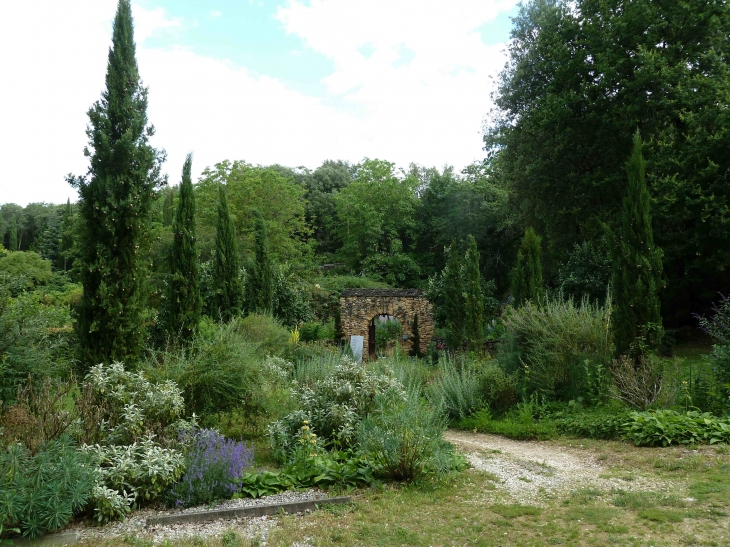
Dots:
(359, 308)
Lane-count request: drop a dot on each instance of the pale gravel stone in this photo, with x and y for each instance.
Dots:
(532, 472)
(135, 524)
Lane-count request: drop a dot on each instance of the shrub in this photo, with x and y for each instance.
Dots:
(122, 407)
(41, 493)
(386, 332)
(587, 272)
(272, 338)
(548, 345)
(332, 406)
(139, 472)
(35, 339)
(219, 370)
(309, 332)
(402, 439)
(43, 411)
(457, 391)
(643, 384)
(26, 266)
(465, 385)
(215, 466)
(718, 327)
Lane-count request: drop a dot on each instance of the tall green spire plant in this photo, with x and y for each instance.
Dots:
(183, 288)
(114, 203)
(453, 299)
(226, 266)
(527, 275)
(637, 267)
(260, 282)
(474, 300)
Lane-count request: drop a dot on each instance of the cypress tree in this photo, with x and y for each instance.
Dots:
(115, 199)
(67, 236)
(453, 299)
(637, 270)
(13, 235)
(339, 334)
(260, 283)
(183, 289)
(527, 275)
(415, 339)
(473, 296)
(226, 266)
(168, 207)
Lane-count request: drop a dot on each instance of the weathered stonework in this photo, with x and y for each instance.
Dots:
(358, 307)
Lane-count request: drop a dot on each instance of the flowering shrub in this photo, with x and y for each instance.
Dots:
(131, 475)
(128, 407)
(332, 407)
(215, 466)
(131, 425)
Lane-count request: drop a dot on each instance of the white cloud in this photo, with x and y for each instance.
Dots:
(216, 13)
(420, 96)
(428, 109)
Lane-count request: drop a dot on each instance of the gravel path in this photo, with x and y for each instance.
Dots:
(246, 526)
(530, 472)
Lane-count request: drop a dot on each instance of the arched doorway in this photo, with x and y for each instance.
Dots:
(378, 321)
(360, 307)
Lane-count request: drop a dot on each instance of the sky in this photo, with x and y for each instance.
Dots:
(293, 82)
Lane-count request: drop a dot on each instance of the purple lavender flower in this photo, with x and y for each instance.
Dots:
(215, 467)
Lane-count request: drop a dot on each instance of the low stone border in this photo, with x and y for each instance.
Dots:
(61, 538)
(250, 511)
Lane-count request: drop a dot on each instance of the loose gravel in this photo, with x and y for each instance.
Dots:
(256, 527)
(532, 473)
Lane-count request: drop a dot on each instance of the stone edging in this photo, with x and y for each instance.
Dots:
(249, 511)
(59, 538)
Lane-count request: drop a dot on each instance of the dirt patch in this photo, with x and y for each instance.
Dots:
(532, 472)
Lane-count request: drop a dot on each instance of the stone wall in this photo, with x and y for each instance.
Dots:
(359, 306)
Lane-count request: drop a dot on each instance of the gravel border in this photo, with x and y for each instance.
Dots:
(136, 524)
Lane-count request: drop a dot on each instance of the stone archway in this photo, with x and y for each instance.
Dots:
(359, 306)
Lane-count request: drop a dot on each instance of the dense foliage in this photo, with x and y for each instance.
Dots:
(581, 77)
(637, 268)
(183, 298)
(115, 200)
(222, 295)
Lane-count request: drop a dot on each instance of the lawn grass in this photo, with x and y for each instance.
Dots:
(689, 505)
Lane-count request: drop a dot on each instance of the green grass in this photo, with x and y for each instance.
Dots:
(677, 497)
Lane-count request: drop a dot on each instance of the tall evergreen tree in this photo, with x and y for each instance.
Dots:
(13, 235)
(527, 275)
(637, 270)
(115, 199)
(260, 282)
(474, 299)
(183, 289)
(453, 299)
(67, 236)
(226, 266)
(339, 334)
(415, 339)
(168, 207)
